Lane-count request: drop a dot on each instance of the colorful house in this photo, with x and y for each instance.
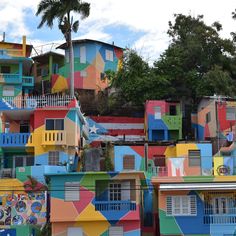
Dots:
(163, 120)
(163, 160)
(200, 205)
(15, 67)
(40, 132)
(91, 60)
(46, 65)
(96, 203)
(215, 118)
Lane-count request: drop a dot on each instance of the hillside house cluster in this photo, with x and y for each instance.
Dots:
(107, 175)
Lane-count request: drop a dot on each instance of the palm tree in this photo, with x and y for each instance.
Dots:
(62, 10)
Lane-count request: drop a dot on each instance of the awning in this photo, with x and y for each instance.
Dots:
(197, 186)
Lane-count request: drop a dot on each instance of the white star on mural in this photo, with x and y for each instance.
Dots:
(93, 129)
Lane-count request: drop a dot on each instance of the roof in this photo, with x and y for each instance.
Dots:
(64, 45)
(112, 173)
(197, 186)
(42, 58)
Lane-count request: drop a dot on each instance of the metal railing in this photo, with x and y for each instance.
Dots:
(219, 219)
(115, 206)
(33, 102)
(54, 137)
(158, 171)
(15, 139)
(27, 80)
(11, 78)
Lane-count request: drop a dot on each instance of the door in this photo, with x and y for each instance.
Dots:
(74, 231)
(220, 205)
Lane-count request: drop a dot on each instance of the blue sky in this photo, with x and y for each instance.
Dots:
(137, 24)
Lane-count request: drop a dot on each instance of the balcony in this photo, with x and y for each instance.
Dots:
(160, 171)
(27, 81)
(219, 219)
(54, 137)
(115, 206)
(15, 139)
(33, 102)
(11, 78)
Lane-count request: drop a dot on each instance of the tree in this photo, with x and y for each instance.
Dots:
(216, 81)
(136, 81)
(195, 50)
(62, 10)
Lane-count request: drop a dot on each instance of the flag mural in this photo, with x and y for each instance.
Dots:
(108, 128)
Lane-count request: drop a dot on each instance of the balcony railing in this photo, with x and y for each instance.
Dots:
(6, 173)
(35, 102)
(15, 139)
(158, 171)
(27, 81)
(115, 206)
(219, 219)
(54, 137)
(11, 78)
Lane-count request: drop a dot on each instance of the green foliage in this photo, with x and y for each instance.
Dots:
(196, 50)
(216, 81)
(107, 162)
(136, 81)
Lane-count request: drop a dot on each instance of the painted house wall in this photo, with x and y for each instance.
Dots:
(21, 211)
(165, 127)
(176, 158)
(209, 129)
(82, 213)
(94, 65)
(72, 137)
(192, 225)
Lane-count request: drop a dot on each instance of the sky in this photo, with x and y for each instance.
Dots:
(141, 25)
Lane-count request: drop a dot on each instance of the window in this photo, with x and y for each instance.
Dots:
(5, 69)
(181, 205)
(109, 55)
(53, 158)
(194, 157)
(102, 76)
(83, 54)
(115, 191)
(159, 160)
(72, 191)
(220, 205)
(54, 124)
(173, 111)
(116, 231)
(208, 117)
(74, 231)
(83, 73)
(129, 162)
(8, 91)
(157, 112)
(230, 113)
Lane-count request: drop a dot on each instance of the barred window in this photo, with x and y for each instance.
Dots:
(181, 206)
(72, 191)
(53, 158)
(230, 113)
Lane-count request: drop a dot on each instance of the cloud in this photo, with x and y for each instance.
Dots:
(146, 20)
